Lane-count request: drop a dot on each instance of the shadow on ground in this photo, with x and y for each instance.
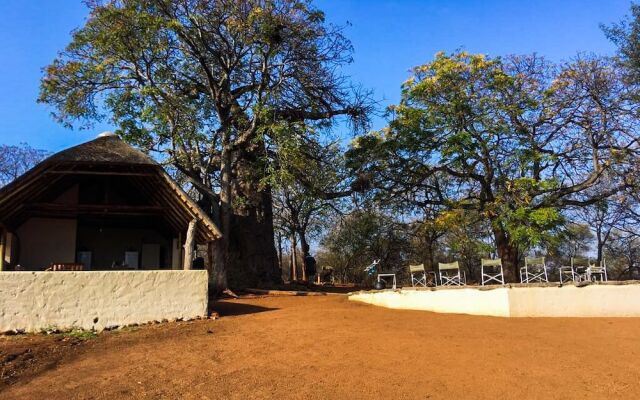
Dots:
(229, 309)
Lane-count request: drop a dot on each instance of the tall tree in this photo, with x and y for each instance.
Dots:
(361, 237)
(516, 140)
(16, 160)
(222, 90)
(303, 208)
(626, 35)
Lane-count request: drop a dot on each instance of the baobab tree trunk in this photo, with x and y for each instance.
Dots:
(251, 253)
(508, 253)
(217, 267)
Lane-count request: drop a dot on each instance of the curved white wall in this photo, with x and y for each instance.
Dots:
(600, 300)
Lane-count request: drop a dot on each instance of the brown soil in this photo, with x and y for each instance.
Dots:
(324, 347)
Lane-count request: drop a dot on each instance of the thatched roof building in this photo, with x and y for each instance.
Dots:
(102, 204)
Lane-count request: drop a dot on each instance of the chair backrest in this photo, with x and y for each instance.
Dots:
(534, 261)
(580, 262)
(598, 267)
(448, 266)
(488, 262)
(416, 268)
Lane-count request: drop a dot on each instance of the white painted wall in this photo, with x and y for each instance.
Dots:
(43, 241)
(572, 301)
(461, 301)
(602, 300)
(32, 301)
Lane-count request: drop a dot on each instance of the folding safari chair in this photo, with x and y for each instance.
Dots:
(573, 271)
(491, 270)
(597, 271)
(451, 275)
(418, 275)
(535, 269)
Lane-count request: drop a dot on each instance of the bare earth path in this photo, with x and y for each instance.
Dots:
(329, 348)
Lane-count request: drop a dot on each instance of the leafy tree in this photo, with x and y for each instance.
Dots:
(16, 160)
(426, 236)
(516, 140)
(622, 253)
(466, 240)
(303, 210)
(603, 218)
(574, 240)
(359, 238)
(222, 90)
(626, 35)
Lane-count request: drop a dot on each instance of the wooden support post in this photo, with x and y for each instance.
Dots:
(2, 241)
(189, 245)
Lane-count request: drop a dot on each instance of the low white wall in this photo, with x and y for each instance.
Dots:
(461, 301)
(32, 301)
(572, 301)
(566, 301)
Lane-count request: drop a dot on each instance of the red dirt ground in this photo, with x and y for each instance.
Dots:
(324, 347)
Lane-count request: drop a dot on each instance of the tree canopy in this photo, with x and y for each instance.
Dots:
(222, 90)
(515, 139)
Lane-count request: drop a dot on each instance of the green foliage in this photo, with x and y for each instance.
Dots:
(80, 334)
(574, 240)
(76, 333)
(515, 140)
(194, 81)
(358, 239)
(626, 36)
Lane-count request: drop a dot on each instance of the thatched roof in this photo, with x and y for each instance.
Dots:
(107, 148)
(106, 155)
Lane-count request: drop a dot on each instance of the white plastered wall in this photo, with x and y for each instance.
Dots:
(602, 300)
(32, 301)
(462, 301)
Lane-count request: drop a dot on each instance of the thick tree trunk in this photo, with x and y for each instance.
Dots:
(508, 254)
(305, 252)
(432, 257)
(252, 253)
(294, 259)
(248, 221)
(600, 246)
(217, 268)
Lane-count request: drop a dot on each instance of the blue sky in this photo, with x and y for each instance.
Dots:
(389, 38)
